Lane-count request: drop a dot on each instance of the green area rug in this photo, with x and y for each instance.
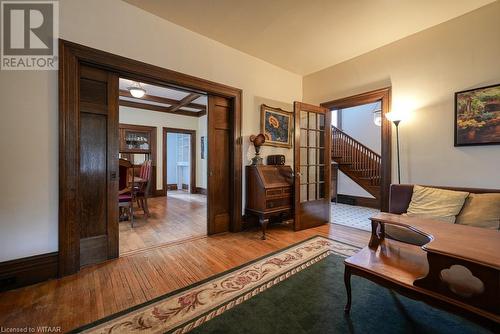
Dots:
(296, 290)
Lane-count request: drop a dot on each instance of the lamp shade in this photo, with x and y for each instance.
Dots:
(137, 92)
(396, 116)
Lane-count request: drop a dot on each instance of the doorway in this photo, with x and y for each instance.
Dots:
(361, 157)
(89, 132)
(162, 181)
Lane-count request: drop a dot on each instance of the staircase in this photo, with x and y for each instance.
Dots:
(357, 161)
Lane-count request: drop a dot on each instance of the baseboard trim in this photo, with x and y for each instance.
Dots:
(202, 191)
(28, 270)
(358, 200)
(159, 192)
(172, 186)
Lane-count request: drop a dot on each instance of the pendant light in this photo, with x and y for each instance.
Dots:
(377, 114)
(136, 90)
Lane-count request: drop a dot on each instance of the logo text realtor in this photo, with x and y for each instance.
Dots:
(29, 35)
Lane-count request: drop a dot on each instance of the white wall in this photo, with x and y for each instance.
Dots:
(424, 71)
(358, 123)
(29, 106)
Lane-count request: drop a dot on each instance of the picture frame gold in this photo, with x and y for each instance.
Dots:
(276, 125)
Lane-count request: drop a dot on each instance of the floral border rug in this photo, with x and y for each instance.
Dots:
(185, 309)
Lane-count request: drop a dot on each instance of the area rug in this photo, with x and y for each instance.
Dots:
(299, 289)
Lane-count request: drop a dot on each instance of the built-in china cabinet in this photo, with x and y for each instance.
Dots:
(137, 144)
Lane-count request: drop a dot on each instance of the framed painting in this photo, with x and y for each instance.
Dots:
(202, 147)
(276, 126)
(477, 116)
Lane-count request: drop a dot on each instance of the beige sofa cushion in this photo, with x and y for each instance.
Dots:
(481, 210)
(436, 203)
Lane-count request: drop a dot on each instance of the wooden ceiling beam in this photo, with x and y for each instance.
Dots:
(165, 100)
(185, 101)
(153, 107)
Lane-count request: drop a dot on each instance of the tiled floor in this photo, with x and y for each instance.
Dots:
(352, 216)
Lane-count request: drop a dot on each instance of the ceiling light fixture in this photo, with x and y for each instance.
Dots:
(377, 115)
(136, 90)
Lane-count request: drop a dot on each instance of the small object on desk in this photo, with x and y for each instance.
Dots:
(269, 193)
(276, 159)
(258, 141)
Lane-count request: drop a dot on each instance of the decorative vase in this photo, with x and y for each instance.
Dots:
(258, 141)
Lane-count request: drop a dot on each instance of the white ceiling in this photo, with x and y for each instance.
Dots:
(305, 36)
(160, 91)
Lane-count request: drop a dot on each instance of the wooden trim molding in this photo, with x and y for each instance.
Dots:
(160, 192)
(192, 133)
(359, 201)
(28, 270)
(153, 107)
(164, 100)
(71, 56)
(383, 95)
(202, 191)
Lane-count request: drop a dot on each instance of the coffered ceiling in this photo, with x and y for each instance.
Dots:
(305, 36)
(163, 99)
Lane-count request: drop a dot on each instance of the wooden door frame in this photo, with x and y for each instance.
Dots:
(192, 166)
(71, 55)
(384, 95)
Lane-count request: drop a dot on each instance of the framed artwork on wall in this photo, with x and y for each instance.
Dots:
(202, 147)
(276, 125)
(477, 116)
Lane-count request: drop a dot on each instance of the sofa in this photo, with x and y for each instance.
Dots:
(400, 197)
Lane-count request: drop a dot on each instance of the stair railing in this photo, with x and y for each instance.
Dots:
(362, 160)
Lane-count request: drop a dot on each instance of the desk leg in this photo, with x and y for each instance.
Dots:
(263, 222)
(347, 282)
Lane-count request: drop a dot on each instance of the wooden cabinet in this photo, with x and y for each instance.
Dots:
(138, 144)
(269, 193)
(135, 139)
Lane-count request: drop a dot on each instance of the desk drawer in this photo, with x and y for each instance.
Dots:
(274, 192)
(277, 203)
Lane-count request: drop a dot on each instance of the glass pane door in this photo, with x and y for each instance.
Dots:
(312, 165)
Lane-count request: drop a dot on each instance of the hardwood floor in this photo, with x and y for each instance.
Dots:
(107, 288)
(175, 217)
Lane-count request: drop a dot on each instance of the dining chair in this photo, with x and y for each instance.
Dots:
(125, 193)
(141, 190)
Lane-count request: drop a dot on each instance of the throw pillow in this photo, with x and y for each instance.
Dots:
(481, 210)
(436, 203)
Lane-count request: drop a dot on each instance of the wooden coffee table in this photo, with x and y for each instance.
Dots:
(458, 269)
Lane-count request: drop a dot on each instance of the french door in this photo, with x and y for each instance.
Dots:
(312, 165)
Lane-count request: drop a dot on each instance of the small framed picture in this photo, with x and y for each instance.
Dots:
(202, 148)
(276, 126)
(477, 116)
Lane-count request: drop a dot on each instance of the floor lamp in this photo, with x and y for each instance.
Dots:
(396, 119)
(396, 123)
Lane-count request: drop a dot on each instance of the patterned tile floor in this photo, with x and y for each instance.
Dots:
(352, 216)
